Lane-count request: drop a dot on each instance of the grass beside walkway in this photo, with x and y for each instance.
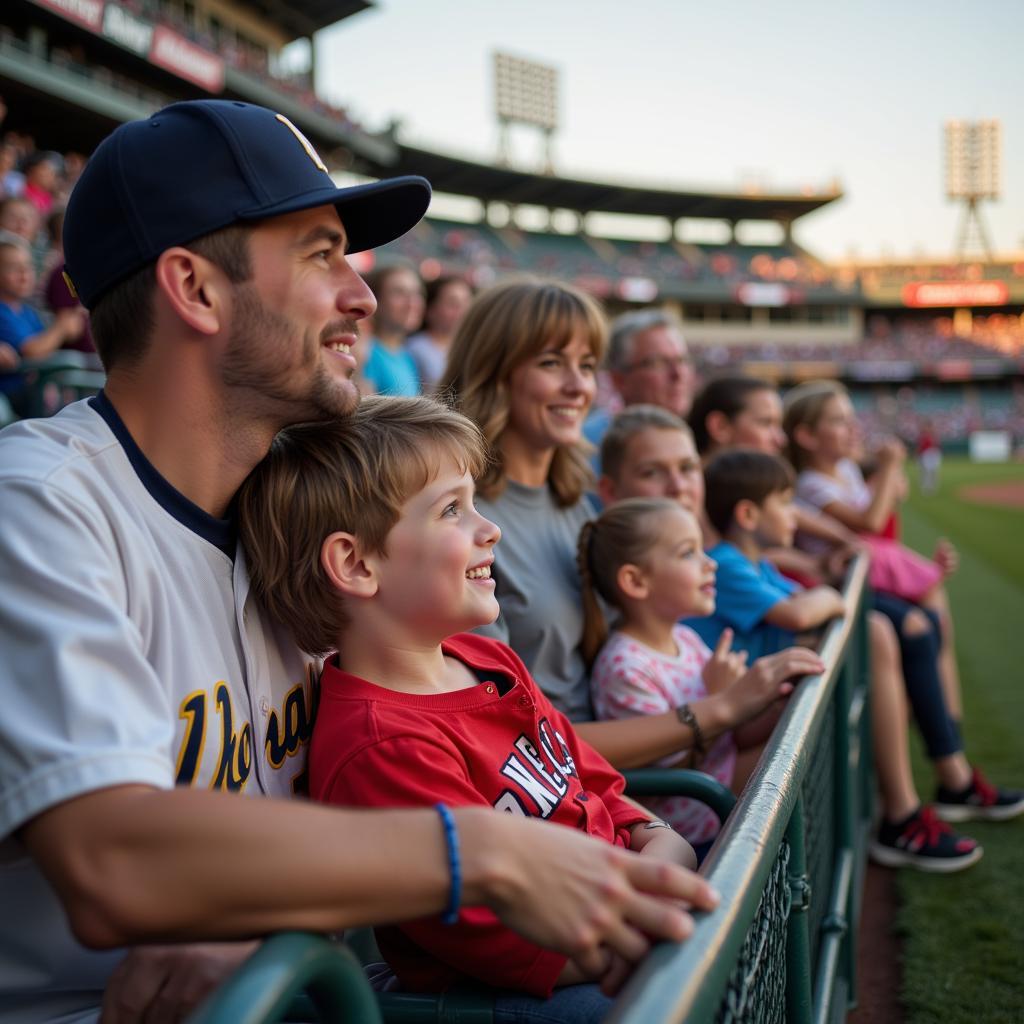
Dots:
(963, 935)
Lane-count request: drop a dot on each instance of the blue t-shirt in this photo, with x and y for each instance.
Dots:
(392, 373)
(16, 327)
(746, 591)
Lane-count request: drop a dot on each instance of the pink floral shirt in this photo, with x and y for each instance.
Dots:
(629, 679)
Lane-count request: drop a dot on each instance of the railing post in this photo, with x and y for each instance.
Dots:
(847, 798)
(798, 946)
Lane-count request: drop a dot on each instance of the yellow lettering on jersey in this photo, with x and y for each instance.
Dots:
(234, 762)
(190, 756)
(306, 144)
(285, 740)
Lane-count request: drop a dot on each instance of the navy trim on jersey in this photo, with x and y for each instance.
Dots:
(221, 533)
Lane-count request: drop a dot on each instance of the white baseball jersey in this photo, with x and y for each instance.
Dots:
(132, 653)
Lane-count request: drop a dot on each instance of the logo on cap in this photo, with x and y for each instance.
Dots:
(306, 144)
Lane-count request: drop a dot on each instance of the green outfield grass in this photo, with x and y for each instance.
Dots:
(963, 936)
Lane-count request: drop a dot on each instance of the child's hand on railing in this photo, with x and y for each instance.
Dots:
(725, 666)
(769, 679)
(657, 838)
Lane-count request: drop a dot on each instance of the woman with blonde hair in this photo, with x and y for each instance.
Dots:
(523, 367)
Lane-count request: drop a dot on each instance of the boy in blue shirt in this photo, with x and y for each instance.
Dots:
(23, 335)
(750, 503)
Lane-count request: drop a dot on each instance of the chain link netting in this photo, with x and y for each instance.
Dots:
(819, 795)
(757, 985)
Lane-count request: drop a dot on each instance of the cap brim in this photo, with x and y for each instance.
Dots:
(372, 214)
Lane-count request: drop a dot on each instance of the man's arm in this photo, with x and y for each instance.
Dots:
(134, 864)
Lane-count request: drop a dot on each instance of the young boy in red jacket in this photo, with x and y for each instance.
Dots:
(361, 536)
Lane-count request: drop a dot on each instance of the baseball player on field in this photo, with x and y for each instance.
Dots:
(144, 692)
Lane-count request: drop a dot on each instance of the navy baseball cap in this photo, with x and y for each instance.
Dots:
(198, 166)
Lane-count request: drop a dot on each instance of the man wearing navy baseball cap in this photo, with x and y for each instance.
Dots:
(144, 690)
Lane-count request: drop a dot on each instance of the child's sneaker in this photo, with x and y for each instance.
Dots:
(980, 801)
(923, 842)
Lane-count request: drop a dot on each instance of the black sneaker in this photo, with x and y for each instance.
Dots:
(980, 801)
(923, 842)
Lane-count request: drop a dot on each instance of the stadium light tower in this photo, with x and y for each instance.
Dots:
(973, 160)
(525, 92)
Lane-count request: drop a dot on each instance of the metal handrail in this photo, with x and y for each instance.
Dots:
(672, 984)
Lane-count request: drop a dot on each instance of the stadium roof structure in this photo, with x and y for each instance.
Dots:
(302, 18)
(491, 183)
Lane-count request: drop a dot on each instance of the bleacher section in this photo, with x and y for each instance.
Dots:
(696, 272)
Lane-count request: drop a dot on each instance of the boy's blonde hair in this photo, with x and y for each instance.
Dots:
(627, 424)
(353, 475)
(803, 406)
(623, 534)
(504, 327)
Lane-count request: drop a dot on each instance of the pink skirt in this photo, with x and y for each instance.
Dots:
(896, 569)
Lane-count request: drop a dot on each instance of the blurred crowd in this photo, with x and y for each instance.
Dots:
(420, 305)
(481, 251)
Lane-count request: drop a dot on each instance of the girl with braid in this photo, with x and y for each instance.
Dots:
(644, 557)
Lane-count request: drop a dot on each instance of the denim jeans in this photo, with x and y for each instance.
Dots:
(920, 658)
(573, 1004)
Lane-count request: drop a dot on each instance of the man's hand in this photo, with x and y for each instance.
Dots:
(161, 984)
(725, 666)
(565, 890)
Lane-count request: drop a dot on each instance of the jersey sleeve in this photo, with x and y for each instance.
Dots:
(410, 771)
(83, 709)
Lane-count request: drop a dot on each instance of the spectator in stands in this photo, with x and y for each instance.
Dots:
(522, 366)
(403, 570)
(745, 412)
(23, 335)
(749, 502)
(822, 436)
(390, 368)
(128, 630)
(20, 217)
(42, 172)
(12, 181)
(447, 300)
(56, 295)
(650, 453)
(648, 362)
(644, 557)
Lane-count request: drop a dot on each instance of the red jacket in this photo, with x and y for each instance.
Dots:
(500, 744)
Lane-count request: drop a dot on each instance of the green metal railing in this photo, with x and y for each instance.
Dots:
(789, 865)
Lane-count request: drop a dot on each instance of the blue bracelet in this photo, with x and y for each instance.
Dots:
(451, 838)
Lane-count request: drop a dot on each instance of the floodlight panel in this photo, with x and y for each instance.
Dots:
(525, 92)
(973, 159)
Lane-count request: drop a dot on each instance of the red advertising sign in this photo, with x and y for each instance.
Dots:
(176, 54)
(955, 293)
(85, 12)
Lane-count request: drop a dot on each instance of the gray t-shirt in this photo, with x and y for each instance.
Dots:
(538, 588)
